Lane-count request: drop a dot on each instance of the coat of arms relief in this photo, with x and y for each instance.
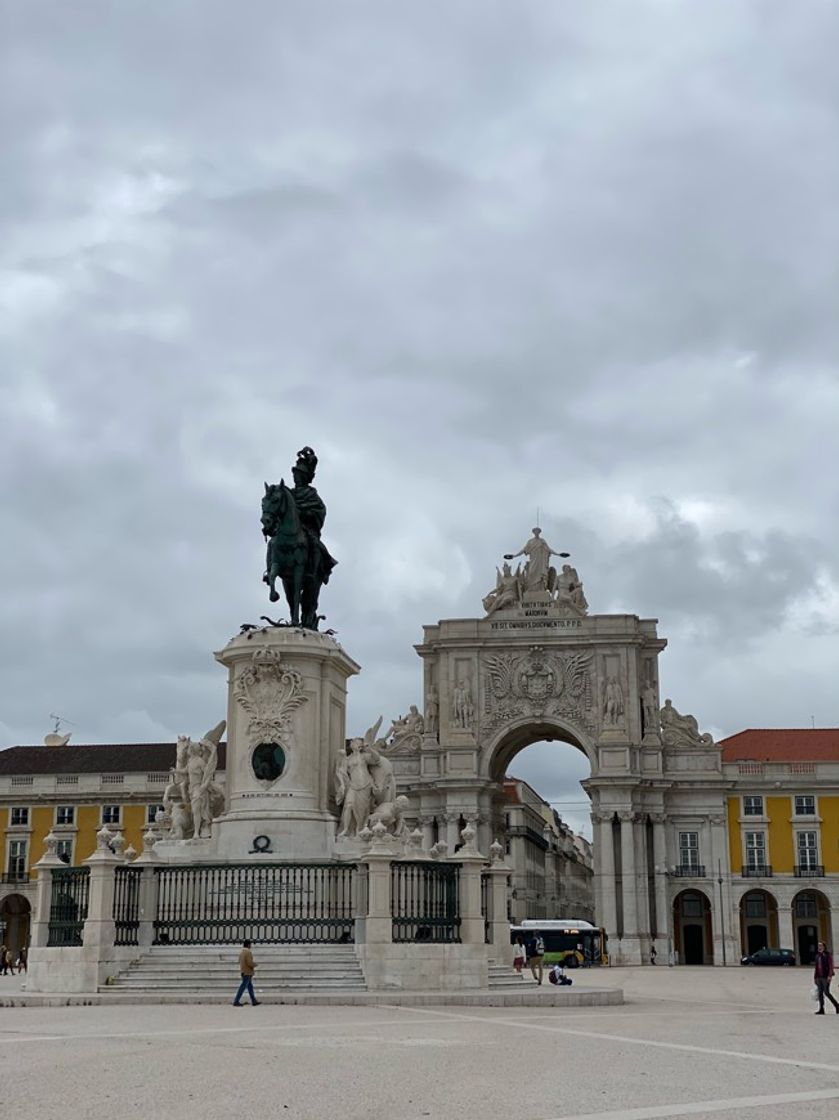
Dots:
(270, 692)
(536, 684)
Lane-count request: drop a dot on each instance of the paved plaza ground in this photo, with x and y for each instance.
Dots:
(688, 1042)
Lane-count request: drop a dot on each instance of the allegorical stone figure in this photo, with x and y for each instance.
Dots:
(192, 800)
(292, 520)
(681, 731)
(507, 590)
(537, 571)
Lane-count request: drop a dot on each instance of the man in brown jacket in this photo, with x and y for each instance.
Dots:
(246, 968)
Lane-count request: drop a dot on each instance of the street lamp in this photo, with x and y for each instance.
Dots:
(722, 909)
(666, 873)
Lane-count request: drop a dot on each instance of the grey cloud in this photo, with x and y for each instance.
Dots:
(485, 263)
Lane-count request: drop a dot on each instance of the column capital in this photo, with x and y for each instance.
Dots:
(626, 816)
(658, 818)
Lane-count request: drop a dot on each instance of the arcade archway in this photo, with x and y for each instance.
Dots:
(15, 916)
(693, 935)
(811, 924)
(758, 921)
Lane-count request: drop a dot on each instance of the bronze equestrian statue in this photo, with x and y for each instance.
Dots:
(292, 519)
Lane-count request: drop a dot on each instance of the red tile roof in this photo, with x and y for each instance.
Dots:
(782, 744)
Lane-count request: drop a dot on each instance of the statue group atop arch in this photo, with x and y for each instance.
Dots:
(537, 580)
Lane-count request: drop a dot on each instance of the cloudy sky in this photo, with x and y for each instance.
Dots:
(484, 258)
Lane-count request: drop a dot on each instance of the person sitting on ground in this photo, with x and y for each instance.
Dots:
(556, 975)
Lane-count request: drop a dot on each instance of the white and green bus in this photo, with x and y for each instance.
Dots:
(569, 942)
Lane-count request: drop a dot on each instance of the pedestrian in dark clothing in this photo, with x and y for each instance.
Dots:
(246, 969)
(822, 975)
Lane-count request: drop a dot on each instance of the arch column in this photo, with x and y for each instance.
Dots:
(662, 915)
(629, 943)
(427, 822)
(604, 859)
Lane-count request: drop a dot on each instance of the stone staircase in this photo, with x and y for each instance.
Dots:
(211, 970)
(504, 976)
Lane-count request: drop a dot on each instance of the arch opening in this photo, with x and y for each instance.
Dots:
(537, 769)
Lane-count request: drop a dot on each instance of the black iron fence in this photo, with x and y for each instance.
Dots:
(690, 871)
(758, 871)
(809, 871)
(425, 901)
(68, 905)
(126, 912)
(486, 906)
(221, 904)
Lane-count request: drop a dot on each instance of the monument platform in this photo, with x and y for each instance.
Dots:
(531, 996)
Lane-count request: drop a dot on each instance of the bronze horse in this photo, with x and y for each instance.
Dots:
(293, 555)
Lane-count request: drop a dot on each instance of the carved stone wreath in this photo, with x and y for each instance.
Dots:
(270, 692)
(536, 684)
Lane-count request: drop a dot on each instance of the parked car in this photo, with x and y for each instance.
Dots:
(770, 956)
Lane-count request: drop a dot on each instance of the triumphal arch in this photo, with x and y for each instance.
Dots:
(538, 665)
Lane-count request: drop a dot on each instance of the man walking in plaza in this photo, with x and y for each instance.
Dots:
(246, 968)
(535, 949)
(823, 974)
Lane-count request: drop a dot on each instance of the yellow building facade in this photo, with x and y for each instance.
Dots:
(71, 791)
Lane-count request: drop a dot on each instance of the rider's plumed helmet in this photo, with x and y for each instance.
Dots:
(307, 463)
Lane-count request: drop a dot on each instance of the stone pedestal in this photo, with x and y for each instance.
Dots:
(286, 723)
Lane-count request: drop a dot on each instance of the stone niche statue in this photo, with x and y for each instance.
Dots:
(365, 786)
(681, 731)
(463, 705)
(192, 800)
(612, 703)
(432, 710)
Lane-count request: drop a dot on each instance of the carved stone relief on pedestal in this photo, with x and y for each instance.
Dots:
(270, 692)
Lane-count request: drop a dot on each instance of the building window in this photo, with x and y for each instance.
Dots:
(691, 906)
(17, 861)
(808, 851)
(755, 905)
(805, 805)
(152, 811)
(755, 849)
(111, 814)
(19, 816)
(689, 850)
(64, 850)
(805, 906)
(752, 806)
(65, 814)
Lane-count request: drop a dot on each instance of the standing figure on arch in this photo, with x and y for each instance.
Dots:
(292, 520)
(538, 575)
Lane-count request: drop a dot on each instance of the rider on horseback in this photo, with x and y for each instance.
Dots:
(312, 512)
(291, 521)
